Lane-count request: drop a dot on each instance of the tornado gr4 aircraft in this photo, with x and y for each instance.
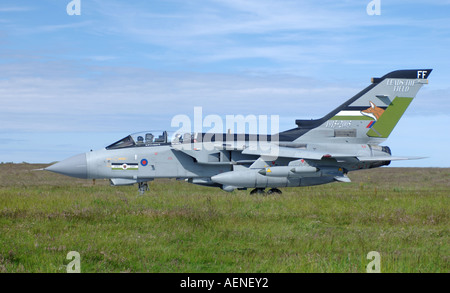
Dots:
(315, 152)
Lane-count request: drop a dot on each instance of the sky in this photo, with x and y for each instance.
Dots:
(72, 83)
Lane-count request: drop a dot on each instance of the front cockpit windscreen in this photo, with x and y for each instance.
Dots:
(151, 138)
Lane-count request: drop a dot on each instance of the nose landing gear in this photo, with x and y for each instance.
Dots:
(142, 187)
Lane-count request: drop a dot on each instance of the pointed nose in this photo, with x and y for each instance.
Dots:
(75, 166)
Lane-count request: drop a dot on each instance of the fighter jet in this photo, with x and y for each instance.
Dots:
(315, 152)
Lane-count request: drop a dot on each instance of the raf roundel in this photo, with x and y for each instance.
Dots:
(144, 162)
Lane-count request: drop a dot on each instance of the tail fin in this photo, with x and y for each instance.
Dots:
(368, 117)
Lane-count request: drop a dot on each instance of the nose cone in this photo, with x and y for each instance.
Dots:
(75, 166)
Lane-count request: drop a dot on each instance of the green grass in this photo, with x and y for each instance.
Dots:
(402, 213)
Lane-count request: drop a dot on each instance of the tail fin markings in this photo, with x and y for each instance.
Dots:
(373, 111)
(369, 116)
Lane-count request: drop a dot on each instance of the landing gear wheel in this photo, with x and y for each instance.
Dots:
(143, 187)
(274, 190)
(258, 191)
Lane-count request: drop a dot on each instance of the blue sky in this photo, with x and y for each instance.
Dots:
(69, 84)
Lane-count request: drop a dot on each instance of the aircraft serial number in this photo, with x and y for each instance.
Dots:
(338, 123)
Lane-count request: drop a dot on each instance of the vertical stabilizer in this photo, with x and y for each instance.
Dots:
(369, 116)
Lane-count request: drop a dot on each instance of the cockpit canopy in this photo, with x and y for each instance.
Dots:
(151, 138)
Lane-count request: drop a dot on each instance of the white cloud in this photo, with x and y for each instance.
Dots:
(16, 9)
(61, 101)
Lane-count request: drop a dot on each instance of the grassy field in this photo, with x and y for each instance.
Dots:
(402, 213)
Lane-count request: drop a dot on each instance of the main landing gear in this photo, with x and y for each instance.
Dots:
(261, 191)
(274, 190)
